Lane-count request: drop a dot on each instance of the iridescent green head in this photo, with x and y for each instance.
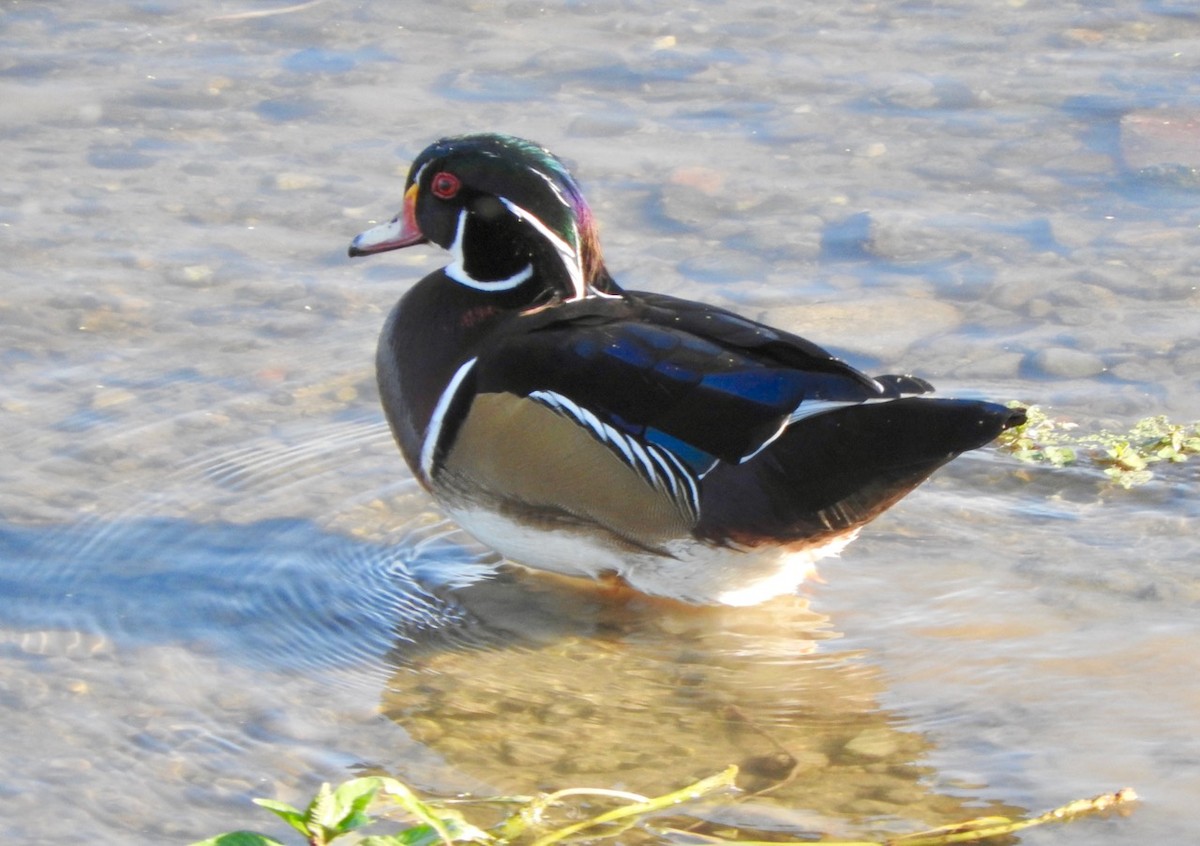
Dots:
(508, 211)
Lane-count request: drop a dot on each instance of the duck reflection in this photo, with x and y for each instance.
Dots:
(556, 684)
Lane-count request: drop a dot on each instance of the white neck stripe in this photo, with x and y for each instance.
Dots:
(456, 272)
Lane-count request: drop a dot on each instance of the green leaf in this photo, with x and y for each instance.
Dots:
(454, 825)
(1059, 456)
(350, 802)
(1126, 458)
(292, 816)
(408, 800)
(418, 835)
(334, 813)
(239, 838)
(331, 813)
(320, 808)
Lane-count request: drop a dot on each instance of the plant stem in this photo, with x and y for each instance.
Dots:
(720, 781)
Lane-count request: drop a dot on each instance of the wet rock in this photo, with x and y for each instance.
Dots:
(1148, 367)
(424, 730)
(904, 794)
(118, 158)
(1065, 363)
(986, 363)
(722, 266)
(871, 808)
(601, 126)
(1114, 278)
(526, 752)
(896, 323)
(872, 744)
(290, 181)
(919, 91)
(105, 398)
(688, 206)
(1171, 176)
(1154, 138)
(192, 275)
(776, 765)
(903, 237)
(1187, 361)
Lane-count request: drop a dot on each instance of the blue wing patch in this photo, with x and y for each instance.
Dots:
(694, 458)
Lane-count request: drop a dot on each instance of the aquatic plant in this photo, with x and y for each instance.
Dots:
(1125, 457)
(336, 812)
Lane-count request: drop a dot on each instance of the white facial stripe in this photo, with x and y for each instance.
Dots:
(417, 176)
(434, 433)
(559, 244)
(456, 271)
(553, 186)
(568, 254)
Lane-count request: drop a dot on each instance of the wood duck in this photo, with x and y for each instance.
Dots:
(581, 428)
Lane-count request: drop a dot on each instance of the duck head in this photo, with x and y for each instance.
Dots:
(508, 212)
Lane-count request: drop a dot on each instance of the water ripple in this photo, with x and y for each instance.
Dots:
(280, 593)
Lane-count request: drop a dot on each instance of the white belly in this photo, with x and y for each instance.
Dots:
(692, 571)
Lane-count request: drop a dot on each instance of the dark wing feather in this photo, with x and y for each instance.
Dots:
(701, 382)
(765, 343)
(855, 462)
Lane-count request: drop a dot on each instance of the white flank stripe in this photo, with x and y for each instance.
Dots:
(682, 472)
(642, 458)
(593, 421)
(623, 445)
(434, 432)
(659, 467)
(667, 472)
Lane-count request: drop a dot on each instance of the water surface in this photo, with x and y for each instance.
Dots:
(219, 581)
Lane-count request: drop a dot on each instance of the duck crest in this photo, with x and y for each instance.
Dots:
(520, 216)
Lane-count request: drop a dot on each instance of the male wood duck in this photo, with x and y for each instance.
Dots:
(584, 429)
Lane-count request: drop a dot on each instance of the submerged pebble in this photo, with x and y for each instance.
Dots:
(1064, 363)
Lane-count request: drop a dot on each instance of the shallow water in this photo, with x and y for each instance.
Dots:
(219, 581)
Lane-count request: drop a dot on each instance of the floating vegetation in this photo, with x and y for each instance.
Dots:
(336, 812)
(1126, 457)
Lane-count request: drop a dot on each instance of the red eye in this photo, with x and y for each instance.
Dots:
(445, 185)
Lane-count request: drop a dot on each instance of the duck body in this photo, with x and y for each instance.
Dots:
(583, 429)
